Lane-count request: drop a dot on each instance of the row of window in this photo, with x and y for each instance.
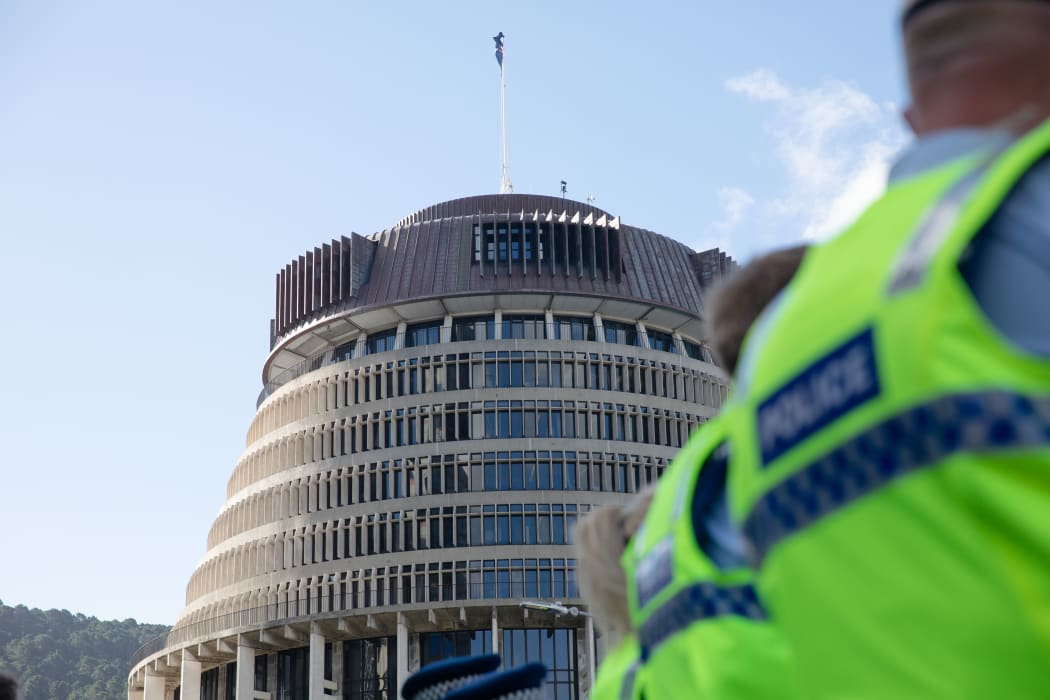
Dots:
(495, 370)
(466, 421)
(422, 582)
(514, 369)
(385, 533)
(510, 327)
(439, 474)
(481, 420)
(518, 327)
(438, 528)
(568, 247)
(478, 579)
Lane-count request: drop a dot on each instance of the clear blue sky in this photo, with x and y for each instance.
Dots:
(160, 161)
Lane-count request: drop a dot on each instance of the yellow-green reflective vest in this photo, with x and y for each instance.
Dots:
(703, 633)
(618, 676)
(890, 459)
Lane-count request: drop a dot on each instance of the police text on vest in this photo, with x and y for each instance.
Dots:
(837, 383)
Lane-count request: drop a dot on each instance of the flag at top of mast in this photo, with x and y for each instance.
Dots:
(499, 48)
(505, 185)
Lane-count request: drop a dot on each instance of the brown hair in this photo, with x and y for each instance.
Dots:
(600, 540)
(735, 304)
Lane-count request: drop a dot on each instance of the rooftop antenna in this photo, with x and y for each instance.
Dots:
(590, 199)
(563, 190)
(505, 185)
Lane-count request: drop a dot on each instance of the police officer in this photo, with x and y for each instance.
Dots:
(700, 629)
(600, 538)
(891, 447)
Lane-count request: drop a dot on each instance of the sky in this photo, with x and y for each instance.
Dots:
(161, 161)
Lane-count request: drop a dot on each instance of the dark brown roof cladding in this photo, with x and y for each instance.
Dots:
(431, 254)
(664, 265)
(711, 266)
(657, 269)
(500, 204)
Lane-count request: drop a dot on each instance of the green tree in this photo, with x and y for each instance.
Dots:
(56, 654)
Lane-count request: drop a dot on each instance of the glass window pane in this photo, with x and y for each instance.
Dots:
(531, 530)
(490, 529)
(517, 477)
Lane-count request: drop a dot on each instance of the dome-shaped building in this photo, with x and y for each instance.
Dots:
(441, 402)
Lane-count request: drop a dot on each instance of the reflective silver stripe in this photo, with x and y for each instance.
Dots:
(627, 685)
(700, 601)
(935, 226)
(682, 491)
(639, 541)
(654, 571)
(754, 341)
(922, 436)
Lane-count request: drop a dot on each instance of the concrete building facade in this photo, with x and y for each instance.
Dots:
(442, 401)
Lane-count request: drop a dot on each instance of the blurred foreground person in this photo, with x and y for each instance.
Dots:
(600, 539)
(475, 678)
(9, 688)
(730, 653)
(891, 427)
(436, 680)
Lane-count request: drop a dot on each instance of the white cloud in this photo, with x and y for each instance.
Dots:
(834, 144)
(734, 204)
(864, 185)
(761, 84)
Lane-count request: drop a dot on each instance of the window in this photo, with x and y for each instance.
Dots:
(419, 334)
(658, 340)
(515, 241)
(438, 646)
(693, 350)
(573, 328)
(381, 342)
(622, 333)
(293, 673)
(369, 669)
(555, 648)
(490, 530)
(260, 671)
(210, 685)
(523, 327)
(344, 351)
(473, 328)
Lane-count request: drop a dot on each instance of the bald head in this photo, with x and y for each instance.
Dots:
(977, 63)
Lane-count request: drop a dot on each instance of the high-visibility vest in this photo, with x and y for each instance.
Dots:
(891, 455)
(702, 631)
(618, 676)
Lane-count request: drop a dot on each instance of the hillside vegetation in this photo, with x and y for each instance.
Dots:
(55, 654)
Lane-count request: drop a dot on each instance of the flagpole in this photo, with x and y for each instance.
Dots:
(505, 185)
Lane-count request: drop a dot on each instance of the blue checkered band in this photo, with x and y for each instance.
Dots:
(922, 436)
(700, 601)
